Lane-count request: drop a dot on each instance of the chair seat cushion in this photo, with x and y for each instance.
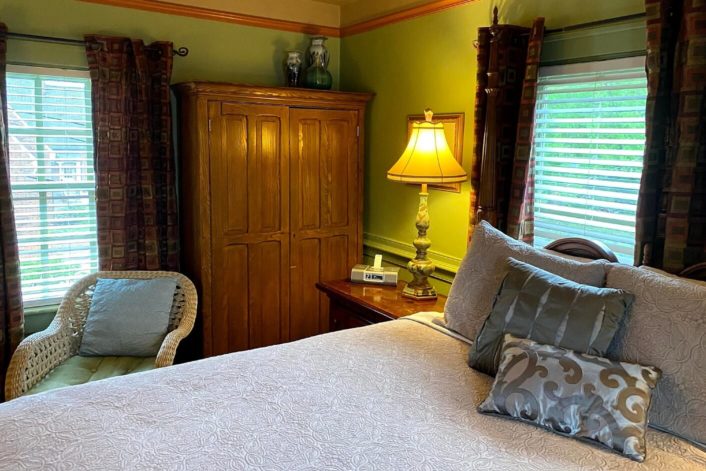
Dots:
(79, 370)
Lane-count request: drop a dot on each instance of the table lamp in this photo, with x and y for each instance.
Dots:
(427, 159)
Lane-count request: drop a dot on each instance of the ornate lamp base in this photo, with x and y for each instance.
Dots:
(421, 267)
(423, 291)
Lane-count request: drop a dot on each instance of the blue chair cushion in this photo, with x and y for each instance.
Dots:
(128, 317)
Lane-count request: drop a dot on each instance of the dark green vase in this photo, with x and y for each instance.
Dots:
(318, 77)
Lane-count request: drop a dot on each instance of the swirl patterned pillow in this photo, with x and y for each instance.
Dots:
(574, 394)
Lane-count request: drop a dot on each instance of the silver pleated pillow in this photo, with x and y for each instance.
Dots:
(539, 305)
(574, 394)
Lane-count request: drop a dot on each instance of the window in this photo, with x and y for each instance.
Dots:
(589, 140)
(52, 180)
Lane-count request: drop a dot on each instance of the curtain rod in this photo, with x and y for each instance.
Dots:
(181, 51)
(598, 23)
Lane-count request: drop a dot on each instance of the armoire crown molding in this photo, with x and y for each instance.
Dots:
(161, 6)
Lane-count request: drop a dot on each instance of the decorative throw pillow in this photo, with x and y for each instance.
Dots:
(667, 328)
(482, 269)
(533, 303)
(128, 317)
(573, 394)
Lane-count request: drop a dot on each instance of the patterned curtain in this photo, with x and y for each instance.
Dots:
(512, 52)
(135, 169)
(11, 317)
(671, 215)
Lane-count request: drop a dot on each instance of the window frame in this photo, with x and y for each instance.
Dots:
(43, 307)
(588, 66)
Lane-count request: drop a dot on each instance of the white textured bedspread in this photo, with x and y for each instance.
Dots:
(391, 396)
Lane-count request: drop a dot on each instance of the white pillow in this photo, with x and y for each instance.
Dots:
(671, 275)
(667, 329)
(482, 269)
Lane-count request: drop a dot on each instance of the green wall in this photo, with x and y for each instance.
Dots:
(218, 51)
(430, 62)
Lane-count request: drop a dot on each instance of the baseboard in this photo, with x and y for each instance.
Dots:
(399, 253)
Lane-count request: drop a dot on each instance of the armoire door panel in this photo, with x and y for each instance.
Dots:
(249, 169)
(229, 171)
(267, 303)
(251, 296)
(324, 168)
(324, 210)
(265, 174)
(307, 168)
(326, 258)
(336, 158)
(304, 308)
(230, 306)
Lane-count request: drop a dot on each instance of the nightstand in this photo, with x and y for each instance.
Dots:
(356, 304)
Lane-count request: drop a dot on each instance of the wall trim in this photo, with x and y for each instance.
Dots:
(163, 6)
(399, 253)
(398, 16)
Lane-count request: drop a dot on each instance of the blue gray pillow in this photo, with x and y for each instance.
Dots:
(573, 394)
(539, 305)
(128, 317)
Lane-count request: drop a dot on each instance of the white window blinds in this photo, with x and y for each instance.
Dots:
(588, 147)
(52, 180)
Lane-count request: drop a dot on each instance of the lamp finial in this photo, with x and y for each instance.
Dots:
(428, 114)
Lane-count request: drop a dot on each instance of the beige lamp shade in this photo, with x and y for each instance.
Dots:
(427, 158)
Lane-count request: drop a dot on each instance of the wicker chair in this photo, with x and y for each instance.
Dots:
(42, 352)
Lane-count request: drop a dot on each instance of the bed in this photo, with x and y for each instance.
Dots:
(396, 395)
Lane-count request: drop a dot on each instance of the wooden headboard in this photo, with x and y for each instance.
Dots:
(596, 250)
(695, 272)
(585, 248)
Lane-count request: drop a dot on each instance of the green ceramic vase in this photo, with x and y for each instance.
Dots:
(318, 77)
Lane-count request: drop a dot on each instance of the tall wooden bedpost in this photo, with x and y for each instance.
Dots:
(487, 204)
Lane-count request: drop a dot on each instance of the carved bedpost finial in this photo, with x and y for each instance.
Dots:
(646, 254)
(428, 114)
(495, 15)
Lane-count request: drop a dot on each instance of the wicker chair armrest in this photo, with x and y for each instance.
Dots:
(167, 351)
(37, 356)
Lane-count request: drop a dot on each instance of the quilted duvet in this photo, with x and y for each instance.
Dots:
(392, 396)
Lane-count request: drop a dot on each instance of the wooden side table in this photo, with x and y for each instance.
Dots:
(356, 304)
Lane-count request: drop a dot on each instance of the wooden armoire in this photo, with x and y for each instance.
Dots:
(271, 202)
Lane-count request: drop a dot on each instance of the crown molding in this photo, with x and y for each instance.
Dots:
(403, 15)
(161, 6)
(170, 8)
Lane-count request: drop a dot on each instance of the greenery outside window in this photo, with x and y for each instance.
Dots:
(588, 147)
(52, 179)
